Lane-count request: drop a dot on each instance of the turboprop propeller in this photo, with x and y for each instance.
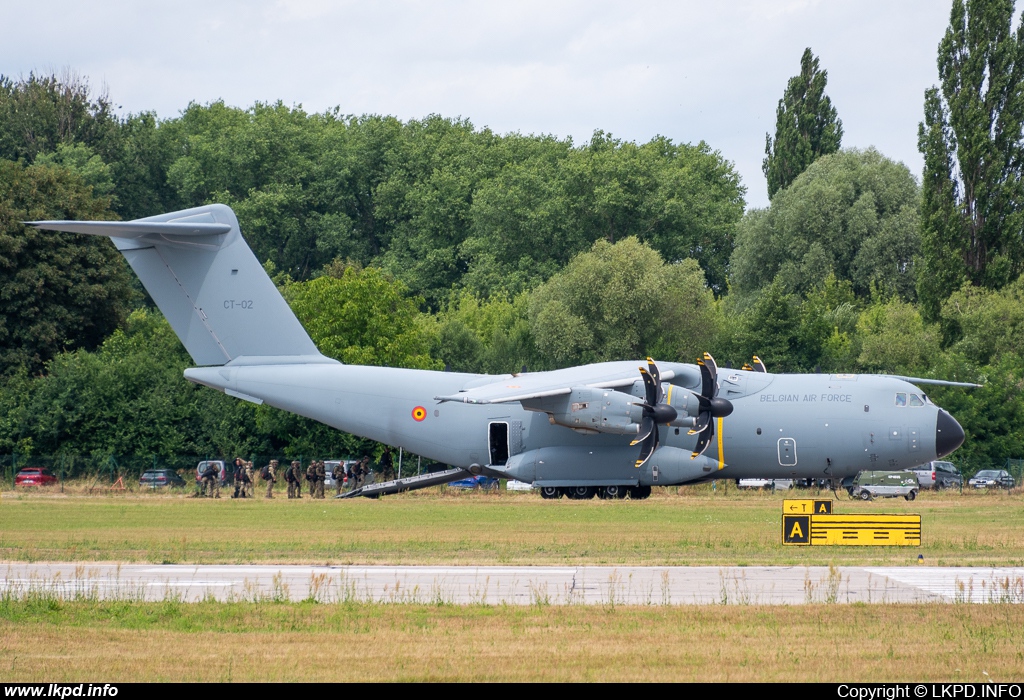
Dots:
(656, 412)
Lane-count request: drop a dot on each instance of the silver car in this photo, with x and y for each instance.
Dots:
(868, 485)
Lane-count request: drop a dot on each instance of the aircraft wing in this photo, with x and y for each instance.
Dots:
(535, 385)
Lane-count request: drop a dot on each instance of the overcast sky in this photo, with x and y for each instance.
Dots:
(692, 71)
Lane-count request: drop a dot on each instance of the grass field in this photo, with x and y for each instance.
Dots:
(688, 526)
(42, 638)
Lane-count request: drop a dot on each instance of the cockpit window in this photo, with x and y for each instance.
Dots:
(926, 399)
(901, 399)
(915, 400)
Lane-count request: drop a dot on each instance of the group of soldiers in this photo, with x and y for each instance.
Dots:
(244, 476)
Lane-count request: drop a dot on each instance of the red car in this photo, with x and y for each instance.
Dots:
(34, 476)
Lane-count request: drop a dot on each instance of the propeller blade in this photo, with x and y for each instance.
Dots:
(759, 365)
(646, 427)
(648, 448)
(650, 388)
(703, 441)
(708, 376)
(703, 421)
(656, 375)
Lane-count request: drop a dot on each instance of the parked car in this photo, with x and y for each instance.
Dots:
(513, 485)
(158, 478)
(475, 482)
(869, 484)
(771, 484)
(34, 476)
(999, 478)
(938, 475)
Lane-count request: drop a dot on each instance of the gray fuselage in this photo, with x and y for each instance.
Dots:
(782, 425)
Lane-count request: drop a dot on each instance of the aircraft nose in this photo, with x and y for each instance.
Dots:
(948, 434)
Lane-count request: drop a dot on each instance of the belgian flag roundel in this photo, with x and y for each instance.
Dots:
(419, 413)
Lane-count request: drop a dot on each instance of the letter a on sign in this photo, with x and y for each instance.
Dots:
(796, 529)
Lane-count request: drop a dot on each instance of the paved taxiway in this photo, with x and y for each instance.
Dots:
(774, 585)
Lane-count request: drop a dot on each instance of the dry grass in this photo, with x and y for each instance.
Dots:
(83, 641)
(694, 526)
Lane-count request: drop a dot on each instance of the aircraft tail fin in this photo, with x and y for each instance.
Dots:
(207, 282)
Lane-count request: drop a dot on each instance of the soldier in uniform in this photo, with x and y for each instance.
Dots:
(211, 477)
(250, 486)
(272, 473)
(339, 477)
(238, 476)
(205, 485)
(387, 462)
(297, 478)
(311, 478)
(321, 477)
(364, 470)
(289, 478)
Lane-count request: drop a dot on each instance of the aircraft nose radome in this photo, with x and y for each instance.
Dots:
(948, 434)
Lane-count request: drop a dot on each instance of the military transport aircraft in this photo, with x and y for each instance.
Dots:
(607, 429)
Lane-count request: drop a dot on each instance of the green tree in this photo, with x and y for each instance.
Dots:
(852, 214)
(620, 302)
(43, 111)
(58, 291)
(895, 339)
(486, 335)
(972, 139)
(363, 317)
(986, 324)
(129, 398)
(807, 126)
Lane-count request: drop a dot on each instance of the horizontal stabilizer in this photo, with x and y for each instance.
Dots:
(133, 229)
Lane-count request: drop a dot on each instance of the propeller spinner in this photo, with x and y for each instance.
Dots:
(656, 412)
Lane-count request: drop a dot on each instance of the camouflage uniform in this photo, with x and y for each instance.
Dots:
(272, 468)
(250, 487)
(339, 478)
(237, 475)
(289, 477)
(212, 481)
(297, 480)
(321, 477)
(311, 478)
(364, 469)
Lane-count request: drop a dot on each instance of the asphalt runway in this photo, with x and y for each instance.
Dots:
(511, 585)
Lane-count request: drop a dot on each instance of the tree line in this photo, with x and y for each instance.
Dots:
(434, 244)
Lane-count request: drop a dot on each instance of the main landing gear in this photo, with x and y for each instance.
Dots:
(582, 493)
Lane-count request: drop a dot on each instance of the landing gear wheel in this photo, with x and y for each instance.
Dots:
(911, 496)
(638, 493)
(581, 493)
(612, 492)
(550, 492)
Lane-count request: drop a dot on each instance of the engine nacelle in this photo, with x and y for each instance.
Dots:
(592, 410)
(686, 404)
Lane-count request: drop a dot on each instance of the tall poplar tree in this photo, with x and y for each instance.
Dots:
(971, 139)
(807, 126)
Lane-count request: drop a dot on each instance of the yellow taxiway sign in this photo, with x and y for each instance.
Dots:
(857, 530)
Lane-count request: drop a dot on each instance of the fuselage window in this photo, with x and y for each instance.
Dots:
(915, 400)
(901, 399)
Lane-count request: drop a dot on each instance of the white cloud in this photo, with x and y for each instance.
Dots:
(688, 70)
